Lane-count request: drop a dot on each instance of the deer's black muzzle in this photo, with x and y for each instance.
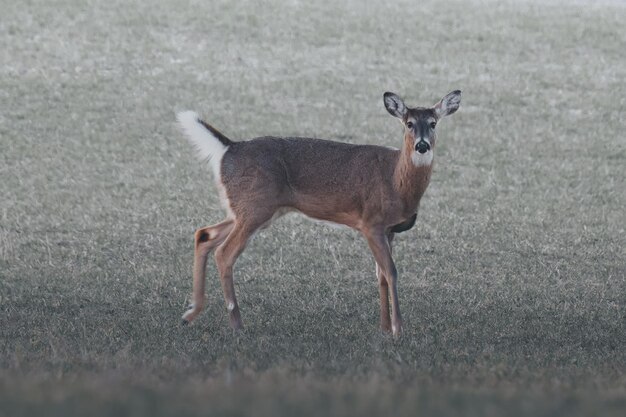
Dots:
(422, 146)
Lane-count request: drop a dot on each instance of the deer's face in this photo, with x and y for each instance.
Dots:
(420, 123)
(419, 133)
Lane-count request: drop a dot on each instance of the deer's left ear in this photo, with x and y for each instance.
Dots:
(449, 104)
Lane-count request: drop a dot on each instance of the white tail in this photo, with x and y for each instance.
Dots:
(373, 189)
(208, 145)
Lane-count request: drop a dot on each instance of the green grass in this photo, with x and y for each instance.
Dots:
(512, 285)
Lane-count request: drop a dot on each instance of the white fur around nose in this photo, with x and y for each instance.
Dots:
(422, 159)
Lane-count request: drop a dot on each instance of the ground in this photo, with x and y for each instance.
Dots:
(512, 284)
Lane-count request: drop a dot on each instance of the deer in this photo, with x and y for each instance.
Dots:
(375, 190)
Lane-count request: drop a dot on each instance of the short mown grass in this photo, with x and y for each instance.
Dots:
(512, 284)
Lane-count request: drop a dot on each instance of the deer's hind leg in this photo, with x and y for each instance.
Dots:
(226, 255)
(206, 239)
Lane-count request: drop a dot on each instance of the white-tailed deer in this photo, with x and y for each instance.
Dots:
(373, 189)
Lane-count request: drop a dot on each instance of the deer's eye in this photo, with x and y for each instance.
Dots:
(409, 125)
(432, 125)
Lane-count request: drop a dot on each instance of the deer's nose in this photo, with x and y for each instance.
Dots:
(422, 146)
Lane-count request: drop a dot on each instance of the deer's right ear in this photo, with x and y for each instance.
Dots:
(394, 105)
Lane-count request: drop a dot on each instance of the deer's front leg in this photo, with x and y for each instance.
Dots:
(379, 244)
(383, 290)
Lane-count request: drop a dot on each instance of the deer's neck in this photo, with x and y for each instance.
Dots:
(410, 180)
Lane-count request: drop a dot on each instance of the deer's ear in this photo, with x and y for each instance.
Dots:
(394, 105)
(449, 104)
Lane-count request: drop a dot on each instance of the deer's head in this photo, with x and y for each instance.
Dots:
(420, 123)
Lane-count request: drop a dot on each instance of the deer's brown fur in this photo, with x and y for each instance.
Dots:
(365, 187)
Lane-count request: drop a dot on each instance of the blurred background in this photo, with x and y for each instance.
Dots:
(512, 284)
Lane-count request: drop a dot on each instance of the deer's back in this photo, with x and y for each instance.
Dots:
(324, 179)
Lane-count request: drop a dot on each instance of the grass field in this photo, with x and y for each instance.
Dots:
(512, 284)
